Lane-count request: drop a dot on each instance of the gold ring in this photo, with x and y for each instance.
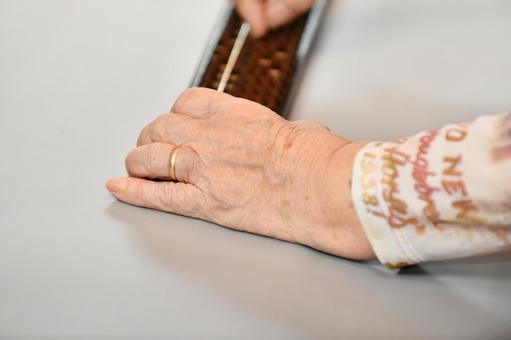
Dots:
(172, 164)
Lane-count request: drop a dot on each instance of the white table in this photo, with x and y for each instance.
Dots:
(79, 79)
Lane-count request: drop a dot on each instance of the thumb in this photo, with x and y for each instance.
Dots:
(280, 12)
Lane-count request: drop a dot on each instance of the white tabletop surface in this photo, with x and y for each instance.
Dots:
(80, 78)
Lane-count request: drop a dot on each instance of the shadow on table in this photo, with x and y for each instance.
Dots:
(496, 266)
(307, 292)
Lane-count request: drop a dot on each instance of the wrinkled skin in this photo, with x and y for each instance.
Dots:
(242, 166)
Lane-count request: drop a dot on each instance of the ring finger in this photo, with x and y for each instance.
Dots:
(154, 161)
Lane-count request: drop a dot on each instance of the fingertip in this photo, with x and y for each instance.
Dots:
(252, 12)
(257, 31)
(278, 13)
(257, 26)
(116, 185)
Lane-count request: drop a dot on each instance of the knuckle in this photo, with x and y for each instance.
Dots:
(190, 205)
(157, 128)
(141, 192)
(213, 102)
(152, 157)
(181, 199)
(201, 204)
(143, 137)
(182, 99)
(160, 120)
(187, 97)
(207, 101)
(175, 199)
(311, 125)
(166, 198)
(249, 109)
(300, 125)
(140, 140)
(128, 163)
(314, 124)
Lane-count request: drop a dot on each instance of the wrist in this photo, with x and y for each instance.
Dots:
(347, 237)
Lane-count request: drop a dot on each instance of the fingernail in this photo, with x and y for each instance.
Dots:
(116, 185)
(277, 13)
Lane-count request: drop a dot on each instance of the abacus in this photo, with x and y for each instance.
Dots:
(267, 70)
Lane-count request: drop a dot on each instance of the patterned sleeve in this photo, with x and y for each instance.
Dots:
(440, 194)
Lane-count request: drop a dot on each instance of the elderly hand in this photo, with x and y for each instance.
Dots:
(242, 166)
(263, 15)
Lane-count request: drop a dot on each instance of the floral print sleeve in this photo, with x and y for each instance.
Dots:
(440, 194)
